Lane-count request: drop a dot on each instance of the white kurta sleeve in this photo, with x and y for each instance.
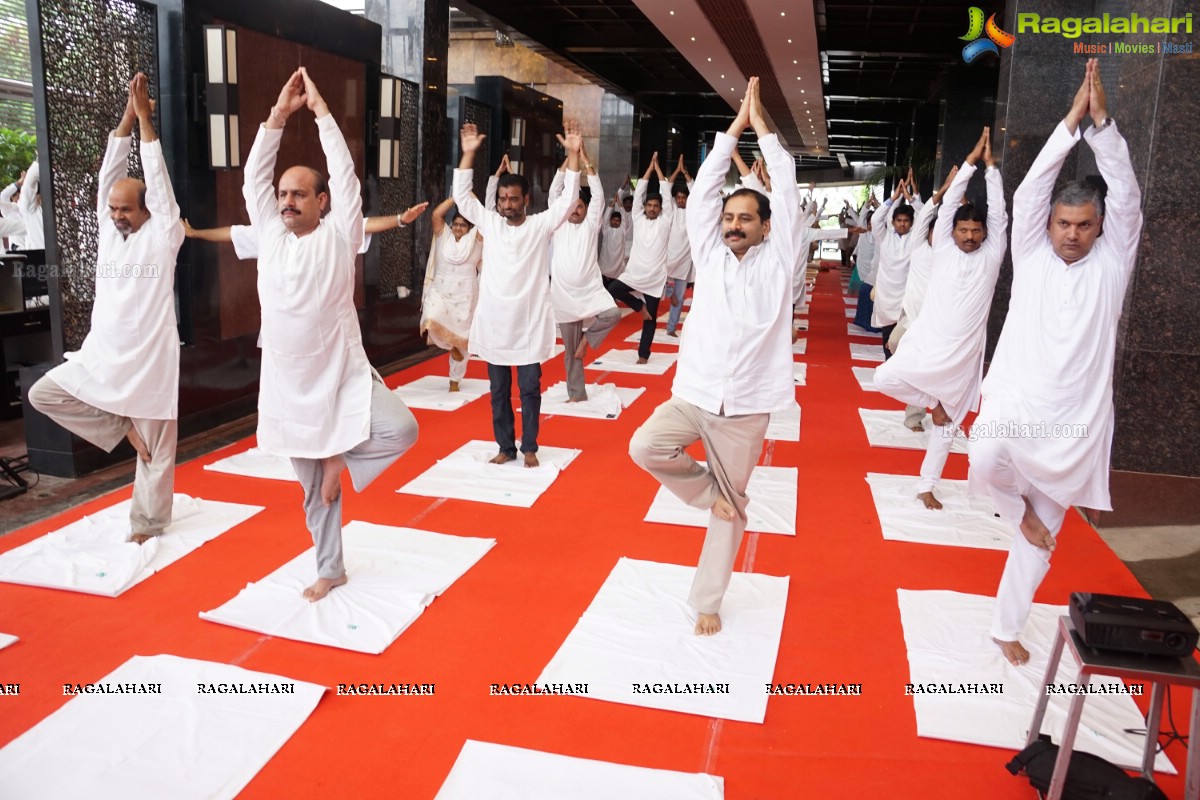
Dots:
(466, 201)
(245, 243)
(785, 197)
(704, 203)
(344, 187)
(160, 196)
(1123, 203)
(750, 181)
(923, 213)
(556, 187)
(489, 193)
(943, 230)
(1031, 201)
(560, 209)
(258, 187)
(639, 201)
(113, 168)
(997, 216)
(29, 189)
(595, 211)
(882, 223)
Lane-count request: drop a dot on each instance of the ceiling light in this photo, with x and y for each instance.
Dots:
(782, 14)
(722, 76)
(789, 41)
(794, 61)
(693, 38)
(672, 13)
(801, 91)
(710, 58)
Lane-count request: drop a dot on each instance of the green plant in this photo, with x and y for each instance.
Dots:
(922, 161)
(17, 151)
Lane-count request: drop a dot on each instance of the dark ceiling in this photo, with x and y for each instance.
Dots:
(882, 61)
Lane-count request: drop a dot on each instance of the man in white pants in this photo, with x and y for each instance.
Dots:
(123, 382)
(1043, 437)
(320, 403)
(735, 363)
(940, 363)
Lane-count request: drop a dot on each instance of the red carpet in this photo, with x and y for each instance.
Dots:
(504, 619)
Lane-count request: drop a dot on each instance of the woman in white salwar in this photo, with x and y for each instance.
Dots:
(451, 287)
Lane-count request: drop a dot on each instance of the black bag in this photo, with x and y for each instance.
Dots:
(1089, 777)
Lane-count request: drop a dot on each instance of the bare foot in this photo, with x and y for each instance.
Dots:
(322, 587)
(707, 624)
(940, 417)
(581, 349)
(500, 458)
(643, 360)
(930, 501)
(645, 313)
(454, 386)
(531, 460)
(1013, 652)
(795, 335)
(456, 354)
(1035, 530)
(140, 538)
(576, 399)
(331, 480)
(722, 509)
(672, 334)
(139, 444)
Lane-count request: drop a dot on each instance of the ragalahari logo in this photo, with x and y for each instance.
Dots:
(976, 28)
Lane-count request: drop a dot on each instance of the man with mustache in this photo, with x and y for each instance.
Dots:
(940, 363)
(123, 382)
(514, 323)
(646, 269)
(735, 363)
(320, 403)
(1043, 437)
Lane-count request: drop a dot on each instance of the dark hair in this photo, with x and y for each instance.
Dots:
(1091, 189)
(680, 188)
(970, 213)
(650, 198)
(454, 214)
(513, 179)
(616, 215)
(142, 198)
(585, 194)
(904, 210)
(764, 205)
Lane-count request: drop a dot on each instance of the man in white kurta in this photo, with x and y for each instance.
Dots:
(1042, 440)
(583, 308)
(646, 270)
(611, 256)
(320, 403)
(894, 242)
(12, 226)
(514, 323)
(679, 250)
(123, 382)
(30, 204)
(940, 363)
(735, 355)
(866, 261)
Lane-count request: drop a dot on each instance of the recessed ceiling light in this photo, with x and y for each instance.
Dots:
(805, 102)
(722, 76)
(710, 58)
(693, 38)
(789, 41)
(672, 13)
(782, 14)
(801, 91)
(794, 61)
(797, 77)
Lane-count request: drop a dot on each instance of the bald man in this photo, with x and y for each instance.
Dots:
(123, 383)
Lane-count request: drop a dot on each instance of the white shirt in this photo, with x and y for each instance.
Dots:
(1053, 363)
(866, 258)
(646, 271)
(942, 353)
(245, 242)
(31, 209)
(892, 271)
(735, 354)
(576, 289)
(612, 243)
(314, 398)
(129, 362)
(920, 267)
(679, 250)
(513, 322)
(12, 226)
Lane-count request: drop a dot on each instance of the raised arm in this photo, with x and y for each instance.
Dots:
(160, 196)
(386, 222)
(27, 202)
(344, 187)
(217, 235)
(556, 184)
(595, 210)
(1123, 203)
(258, 185)
(114, 167)
(572, 141)
(470, 140)
(438, 217)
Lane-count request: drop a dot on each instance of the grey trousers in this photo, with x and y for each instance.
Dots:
(154, 482)
(393, 431)
(572, 332)
(731, 447)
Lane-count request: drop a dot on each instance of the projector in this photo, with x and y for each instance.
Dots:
(1132, 625)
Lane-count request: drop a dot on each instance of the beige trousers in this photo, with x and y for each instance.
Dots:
(154, 482)
(731, 447)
